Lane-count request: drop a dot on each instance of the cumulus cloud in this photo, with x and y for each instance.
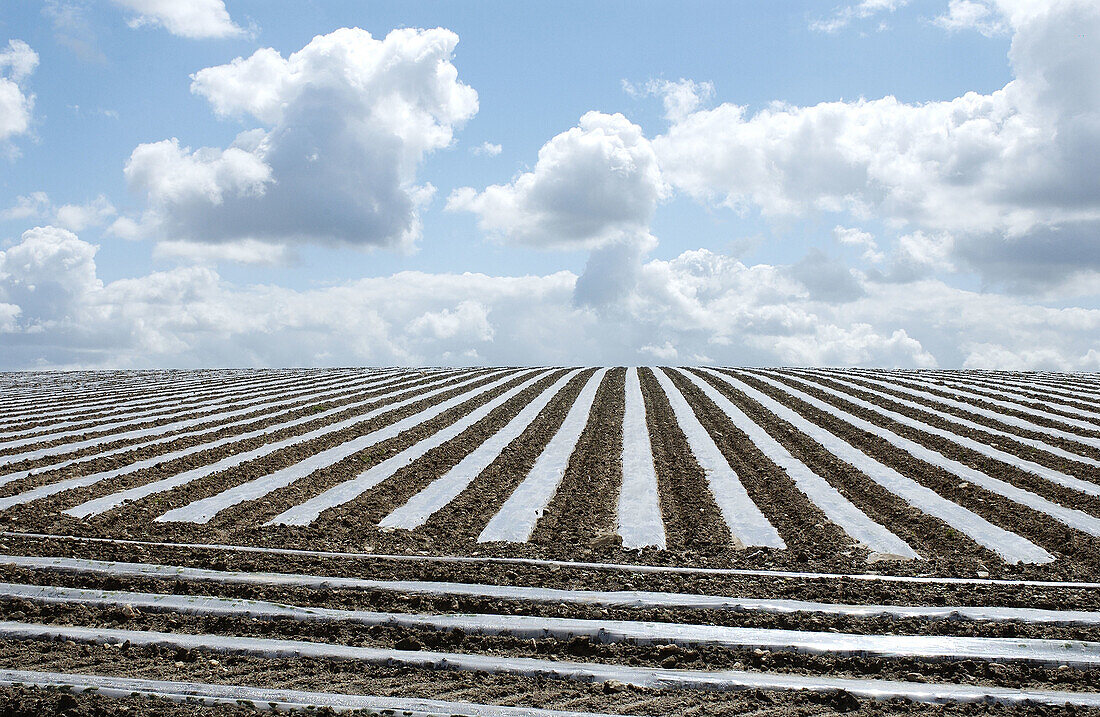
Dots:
(1008, 175)
(74, 217)
(346, 122)
(699, 306)
(825, 278)
(680, 98)
(846, 14)
(50, 275)
(592, 186)
(27, 206)
(851, 236)
(972, 15)
(195, 19)
(486, 149)
(469, 319)
(77, 217)
(246, 251)
(17, 63)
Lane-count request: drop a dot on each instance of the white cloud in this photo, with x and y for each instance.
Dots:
(666, 353)
(486, 149)
(347, 120)
(77, 217)
(858, 345)
(919, 254)
(246, 251)
(846, 14)
(680, 98)
(592, 186)
(972, 15)
(852, 236)
(74, 217)
(17, 63)
(55, 311)
(29, 206)
(174, 176)
(126, 228)
(50, 275)
(1008, 175)
(194, 19)
(469, 319)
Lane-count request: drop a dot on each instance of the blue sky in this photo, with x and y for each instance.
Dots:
(778, 262)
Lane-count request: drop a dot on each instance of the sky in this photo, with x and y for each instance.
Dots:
(199, 183)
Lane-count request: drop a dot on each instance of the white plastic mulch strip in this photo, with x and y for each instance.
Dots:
(950, 417)
(314, 398)
(832, 503)
(1028, 393)
(151, 393)
(1077, 391)
(636, 599)
(180, 397)
(744, 520)
(349, 490)
(136, 433)
(266, 698)
(639, 512)
(1015, 397)
(1057, 392)
(637, 568)
(527, 666)
(997, 486)
(1070, 652)
(253, 400)
(515, 521)
(1065, 383)
(443, 490)
(1010, 405)
(207, 402)
(1072, 517)
(1011, 547)
(202, 511)
(1021, 423)
(113, 500)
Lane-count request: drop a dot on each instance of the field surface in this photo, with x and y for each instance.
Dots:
(501, 541)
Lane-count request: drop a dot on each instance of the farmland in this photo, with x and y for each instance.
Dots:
(611, 540)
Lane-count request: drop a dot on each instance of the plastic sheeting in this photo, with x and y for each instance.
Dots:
(1076, 519)
(205, 433)
(516, 519)
(250, 394)
(1057, 652)
(832, 503)
(202, 511)
(108, 502)
(1050, 474)
(443, 490)
(747, 524)
(341, 493)
(638, 568)
(264, 698)
(1011, 547)
(1010, 405)
(526, 666)
(92, 478)
(639, 518)
(948, 417)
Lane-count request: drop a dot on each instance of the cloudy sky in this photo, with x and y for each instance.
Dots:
(881, 183)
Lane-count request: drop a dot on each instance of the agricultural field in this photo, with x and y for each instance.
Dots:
(505, 541)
